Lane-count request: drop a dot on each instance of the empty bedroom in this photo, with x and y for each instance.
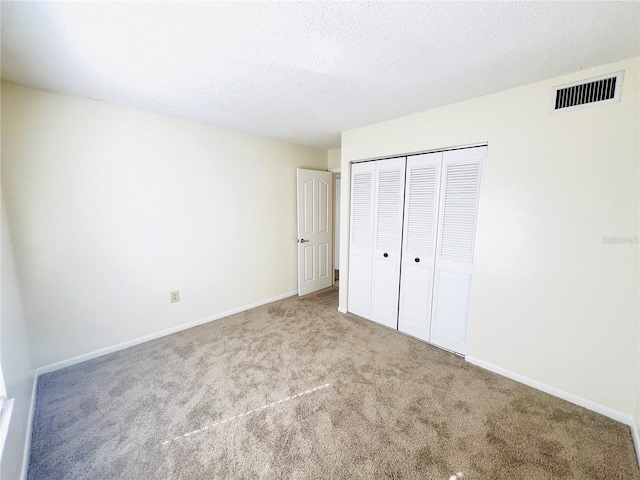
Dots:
(303, 240)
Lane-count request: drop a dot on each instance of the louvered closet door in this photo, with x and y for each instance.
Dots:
(361, 236)
(387, 238)
(422, 190)
(459, 193)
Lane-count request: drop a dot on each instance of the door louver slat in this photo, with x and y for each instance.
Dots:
(362, 201)
(420, 209)
(459, 210)
(389, 197)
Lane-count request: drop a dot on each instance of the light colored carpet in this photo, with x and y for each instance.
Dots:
(384, 406)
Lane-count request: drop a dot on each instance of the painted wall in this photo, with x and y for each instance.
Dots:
(112, 208)
(550, 299)
(333, 158)
(15, 356)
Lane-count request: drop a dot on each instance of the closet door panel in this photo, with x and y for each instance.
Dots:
(361, 238)
(450, 308)
(460, 188)
(415, 301)
(422, 189)
(387, 240)
(360, 285)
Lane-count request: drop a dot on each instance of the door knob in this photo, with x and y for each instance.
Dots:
(417, 260)
(302, 240)
(385, 254)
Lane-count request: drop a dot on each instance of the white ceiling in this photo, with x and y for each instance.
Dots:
(305, 71)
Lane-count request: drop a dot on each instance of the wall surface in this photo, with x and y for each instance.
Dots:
(551, 300)
(110, 209)
(333, 158)
(15, 358)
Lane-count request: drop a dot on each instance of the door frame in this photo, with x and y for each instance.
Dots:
(336, 207)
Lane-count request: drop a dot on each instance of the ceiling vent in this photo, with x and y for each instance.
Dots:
(587, 93)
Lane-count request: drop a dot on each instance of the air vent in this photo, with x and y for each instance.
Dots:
(587, 93)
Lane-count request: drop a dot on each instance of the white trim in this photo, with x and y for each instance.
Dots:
(342, 310)
(335, 170)
(420, 152)
(5, 420)
(3, 388)
(556, 392)
(27, 440)
(153, 336)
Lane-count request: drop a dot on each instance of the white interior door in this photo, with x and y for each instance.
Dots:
(387, 240)
(422, 194)
(361, 238)
(460, 188)
(315, 257)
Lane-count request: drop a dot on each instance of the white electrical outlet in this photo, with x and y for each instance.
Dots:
(175, 296)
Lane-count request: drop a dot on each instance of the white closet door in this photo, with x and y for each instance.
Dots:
(387, 240)
(460, 186)
(361, 235)
(422, 193)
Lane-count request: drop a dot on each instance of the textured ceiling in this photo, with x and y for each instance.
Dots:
(305, 71)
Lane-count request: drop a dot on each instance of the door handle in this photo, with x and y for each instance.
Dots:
(417, 260)
(302, 240)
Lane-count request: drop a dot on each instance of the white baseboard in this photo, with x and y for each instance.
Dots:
(153, 336)
(342, 310)
(556, 392)
(27, 440)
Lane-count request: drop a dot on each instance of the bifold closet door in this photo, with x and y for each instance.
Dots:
(387, 240)
(459, 191)
(422, 193)
(412, 242)
(361, 238)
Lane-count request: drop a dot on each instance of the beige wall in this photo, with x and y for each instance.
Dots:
(15, 358)
(550, 301)
(333, 158)
(111, 209)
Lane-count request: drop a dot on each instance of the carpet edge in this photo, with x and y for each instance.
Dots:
(635, 433)
(556, 392)
(153, 336)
